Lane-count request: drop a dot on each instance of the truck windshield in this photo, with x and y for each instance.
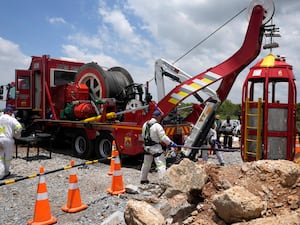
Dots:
(11, 93)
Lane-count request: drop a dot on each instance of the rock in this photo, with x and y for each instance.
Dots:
(114, 219)
(293, 201)
(178, 208)
(292, 218)
(237, 204)
(184, 177)
(203, 222)
(132, 189)
(287, 171)
(142, 213)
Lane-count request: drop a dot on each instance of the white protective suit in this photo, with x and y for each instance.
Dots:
(9, 128)
(158, 135)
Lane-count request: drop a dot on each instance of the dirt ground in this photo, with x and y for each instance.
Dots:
(279, 199)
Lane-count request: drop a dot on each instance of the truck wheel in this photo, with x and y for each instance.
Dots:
(103, 146)
(82, 146)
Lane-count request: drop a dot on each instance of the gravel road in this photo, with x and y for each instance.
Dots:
(17, 200)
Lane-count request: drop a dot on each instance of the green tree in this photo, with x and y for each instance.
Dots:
(229, 109)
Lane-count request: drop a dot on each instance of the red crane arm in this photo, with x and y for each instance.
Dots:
(226, 71)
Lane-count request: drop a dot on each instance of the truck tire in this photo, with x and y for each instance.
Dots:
(103, 146)
(103, 84)
(82, 146)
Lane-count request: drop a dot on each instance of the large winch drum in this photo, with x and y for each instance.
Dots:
(103, 83)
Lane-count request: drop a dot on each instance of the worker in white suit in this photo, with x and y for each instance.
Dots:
(10, 128)
(212, 142)
(153, 134)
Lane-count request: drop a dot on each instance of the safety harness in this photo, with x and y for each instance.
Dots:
(148, 141)
(147, 138)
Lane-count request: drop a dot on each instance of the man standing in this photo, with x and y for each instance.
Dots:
(227, 125)
(153, 134)
(211, 142)
(10, 128)
(218, 129)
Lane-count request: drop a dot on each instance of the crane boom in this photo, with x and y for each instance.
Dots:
(226, 72)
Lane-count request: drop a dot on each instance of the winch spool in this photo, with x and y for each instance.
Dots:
(101, 83)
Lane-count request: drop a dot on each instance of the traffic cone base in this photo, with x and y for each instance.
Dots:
(52, 220)
(112, 192)
(74, 203)
(74, 209)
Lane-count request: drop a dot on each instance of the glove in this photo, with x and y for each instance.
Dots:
(174, 145)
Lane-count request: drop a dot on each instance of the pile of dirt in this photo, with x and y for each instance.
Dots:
(280, 198)
(275, 183)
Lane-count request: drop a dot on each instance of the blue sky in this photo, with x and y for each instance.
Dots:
(134, 33)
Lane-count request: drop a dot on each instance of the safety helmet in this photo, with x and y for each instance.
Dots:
(8, 109)
(156, 113)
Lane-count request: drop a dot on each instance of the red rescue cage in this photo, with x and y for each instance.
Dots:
(269, 111)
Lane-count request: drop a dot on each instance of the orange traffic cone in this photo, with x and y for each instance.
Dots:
(117, 186)
(74, 203)
(42, 214)
(297, 144)
(114, 153)
(297, 150)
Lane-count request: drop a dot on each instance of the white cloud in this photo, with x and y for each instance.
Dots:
(119, 22)
(55, 20)
(86, 40)
(85, 56)
(11, 58)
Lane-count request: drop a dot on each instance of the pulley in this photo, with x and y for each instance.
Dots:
(268, 6)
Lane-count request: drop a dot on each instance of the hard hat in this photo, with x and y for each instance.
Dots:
(8, 109)
(217, 116)
(156, 113)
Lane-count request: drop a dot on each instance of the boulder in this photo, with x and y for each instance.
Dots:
(287, 172)
(292, 218)
(184, 178)
(237, 204)
(142, 213)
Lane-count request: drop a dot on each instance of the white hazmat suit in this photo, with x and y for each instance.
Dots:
(211, 141)
(155, 151)
(10, 128)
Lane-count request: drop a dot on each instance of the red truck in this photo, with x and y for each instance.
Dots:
(92, 106)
